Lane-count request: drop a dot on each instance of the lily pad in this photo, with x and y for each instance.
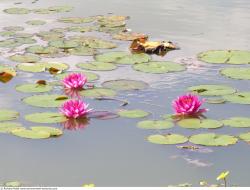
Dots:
(97, 66)
(60, 8)
(51, 130)
(46, 117)
(238, 98)
(17, 10)
(197, 123)
(13, 28)
(30, 67)
(225, 56)
(125, 84)
(64, 44)
(41, 50)
(25, 58)
(158, 67)
(82, 51)
(45, 101)
(81, 28)
(25, 40)
(236, 73)
(239, 122)
(167, 139)
(9, 43)
(7, 115)
(212, 139)
(12, 184)
(101, 44)
(212, 90)
(76, 20)
(215, 100)
(90, 76)
(7, 33)
(128, 36)
(6, 127)
(30, 134)
(245, 136)
(133, 113)
(111, 57)
(98, 93)
(155, 124)
(50, 35)
(35, 22)
(33, 88)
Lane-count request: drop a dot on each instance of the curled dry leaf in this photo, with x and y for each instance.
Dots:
(41, 82)
(54, 71)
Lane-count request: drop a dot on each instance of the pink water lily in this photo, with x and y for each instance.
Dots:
(188, 104)
(75, 109)
(74, 81)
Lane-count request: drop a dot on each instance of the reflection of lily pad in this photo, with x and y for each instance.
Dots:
(7, 115)
(159, 67)
(25, 58)
(45, 101)
(245, 136)
(238, 98)
(225, 56)
(212, 139)
(33, 88)
(167, 139)
(133, 113)
(51, 130)
(17, 10)
(125, 84)
(36, 22)
(98, 93)
(197, 123)
(97, 66)
(6, 127)
(90, 76)
(236, 73)
(212, 90)
(30, 134)
(237, 122)
(155, 124)
(46, 117)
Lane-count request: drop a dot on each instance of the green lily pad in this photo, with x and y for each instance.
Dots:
(212, 90)
(90, 76)
(30, 67)
(25, 40)
(97, 66)
(133, 113)
(125, 84)
(225, 56)
(6, 127)
(98, 93)
(245, 136)
(13, 28)
(194, 123)
(76, 20)
(33, 88)
(23, 35)
(237, 122)
(64, 44)
(50, 35)
(7, 115)
(57, 65)
(30, 134)
(7, 33)
(41, 50)
(17, 10)
(25, 58)
(158, 67)
(111, 57)
(60, 8)
(128, 36)
(81, 28)
(238, 98)
(82, 51)
(51, 130)
(212, 139)
(155, 124)
(215, 100)
(101, 44)
(35, 22)
(236, 73)
(9, 43)
(46, 117)
(167, 139)
(45, 101)
(12, 184)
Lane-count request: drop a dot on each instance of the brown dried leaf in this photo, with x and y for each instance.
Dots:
(41, 82)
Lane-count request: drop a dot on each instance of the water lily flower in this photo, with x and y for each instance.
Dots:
(75, 109)
(74, 81)
(188, 104)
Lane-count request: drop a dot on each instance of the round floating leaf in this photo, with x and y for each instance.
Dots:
(32, 88)
(6, 127)
(30, 67)
(236, 73)
(245, 136)
(12, 184)
(225, 56)
(35, 22)
(51, 130)
(7, 115)
(110, 57)
(97, 66)
(167, 139)
(56, 65)
(46, 101)
(60, 9)
(50, 36)
(237, 122)
(128, 36)
(46, 117)
(239, 98)
(134, 58)
(17, 10)
(215, 100)
(76, 20)
(7, 33)
(82, 51)
(10, 43)
(23, 35)
(158, 67)
(37, 49)
(90, 76)
(155, 124)
(212, 90)
(13, 28)
(124, 84)
(25, 40)
(81, 28)
(98, 93)
(133, 113)
(30, 134)
(101, 44)
(25, 58)
(197, 123)
(64, 44)
(212, 139)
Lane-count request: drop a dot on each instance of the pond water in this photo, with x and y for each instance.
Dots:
(115, 152)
